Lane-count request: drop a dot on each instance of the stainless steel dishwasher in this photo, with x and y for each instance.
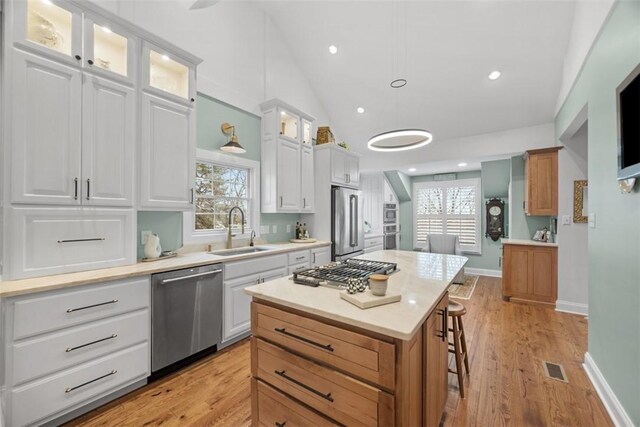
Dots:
(186, 313)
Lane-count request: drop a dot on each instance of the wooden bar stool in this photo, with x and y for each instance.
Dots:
(459, 344)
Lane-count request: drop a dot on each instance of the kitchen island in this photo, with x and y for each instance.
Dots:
(317, 359)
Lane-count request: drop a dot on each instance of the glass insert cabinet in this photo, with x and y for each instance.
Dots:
(167, 75)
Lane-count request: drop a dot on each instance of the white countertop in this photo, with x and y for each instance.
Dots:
(193, 259)
(422, 279)
(527, 242)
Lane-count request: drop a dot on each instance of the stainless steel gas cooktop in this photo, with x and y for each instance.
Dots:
(336, 274)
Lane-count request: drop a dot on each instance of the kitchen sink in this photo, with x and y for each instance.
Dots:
(239, 251)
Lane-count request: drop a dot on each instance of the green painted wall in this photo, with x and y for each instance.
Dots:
(614, 243)
(522, 226)
(210, 114)
(401, 184)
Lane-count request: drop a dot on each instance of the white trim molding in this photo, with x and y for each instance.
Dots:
(611, 403)
(572, 307)
(483, 272)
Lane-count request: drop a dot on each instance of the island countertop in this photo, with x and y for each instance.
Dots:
(422, 280)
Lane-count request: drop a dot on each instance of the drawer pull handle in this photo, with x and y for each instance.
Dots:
(69, 349)
(71, 310)
(298, 258)
(70, 389)
(95, 239)
(307, 340)
(282, 424)
(284, 375)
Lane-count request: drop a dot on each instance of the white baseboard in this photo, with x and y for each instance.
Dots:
(572, 307)
(617, 413)
(483, 272)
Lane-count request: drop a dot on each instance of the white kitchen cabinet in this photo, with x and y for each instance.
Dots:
(373, 243)
(167, 155)
(345, 166)
(70, 347)
(168, 75)
(288, 179)
(46, 111)
(286, 164)
(108, 142)
(237, 276)
(371, 185)
(50, 28)
(49, 241)
(307, 179)
(320, 256)
(389, 194)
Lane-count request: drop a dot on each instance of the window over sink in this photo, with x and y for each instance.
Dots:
(222, 181)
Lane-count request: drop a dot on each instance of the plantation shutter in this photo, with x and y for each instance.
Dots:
(450, 207)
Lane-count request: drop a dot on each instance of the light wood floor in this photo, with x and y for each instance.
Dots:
(507, 386)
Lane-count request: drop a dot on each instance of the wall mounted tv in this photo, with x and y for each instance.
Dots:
(629, 126)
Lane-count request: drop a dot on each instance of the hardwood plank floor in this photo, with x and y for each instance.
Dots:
(507, 386)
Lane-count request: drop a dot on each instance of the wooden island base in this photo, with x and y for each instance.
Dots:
(310, 370)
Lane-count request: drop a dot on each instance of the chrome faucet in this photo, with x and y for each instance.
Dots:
(229, 235)
(253, 236)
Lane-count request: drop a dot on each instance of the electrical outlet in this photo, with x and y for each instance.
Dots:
(592, 220)
(264, 229)
(566, 219)
(274, 229)
(144, 234)
(288, 228)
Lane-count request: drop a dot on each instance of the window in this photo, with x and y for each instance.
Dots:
(222, 181)
(448, 207)
(218, 189)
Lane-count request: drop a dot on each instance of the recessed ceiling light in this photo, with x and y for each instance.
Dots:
(360, 110)
(495, 75)
(165, 57)
(412, 169)
(463, 164)
(107, 30)
(333, 49)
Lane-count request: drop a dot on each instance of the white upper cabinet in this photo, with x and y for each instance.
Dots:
(307, 180)
(108, 142)
(287, 166)
(167, 154)
(389, 195)
(50, 27)
(345, 167)
(167, 75)
(46, 111)
(109, 50)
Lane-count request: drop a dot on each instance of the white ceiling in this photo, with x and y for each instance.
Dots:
(445, 49)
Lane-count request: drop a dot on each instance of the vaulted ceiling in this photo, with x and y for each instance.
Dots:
(445, 50)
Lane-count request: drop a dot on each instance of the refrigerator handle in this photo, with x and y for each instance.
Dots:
(353, 219)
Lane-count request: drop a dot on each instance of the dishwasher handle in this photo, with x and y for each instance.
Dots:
(190, 276)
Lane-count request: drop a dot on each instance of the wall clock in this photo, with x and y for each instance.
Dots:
(495, 219)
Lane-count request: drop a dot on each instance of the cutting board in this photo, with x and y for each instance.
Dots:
(366, 299)
(309, 240)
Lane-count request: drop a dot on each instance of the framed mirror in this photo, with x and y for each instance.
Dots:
(580, 200)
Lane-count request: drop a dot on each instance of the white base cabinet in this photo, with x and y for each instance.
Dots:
(239, 275)
(64, 349)
(320, 256)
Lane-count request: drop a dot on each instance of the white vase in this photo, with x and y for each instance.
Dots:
(152, 248)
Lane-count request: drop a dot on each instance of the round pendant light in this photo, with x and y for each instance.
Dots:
(400, 140)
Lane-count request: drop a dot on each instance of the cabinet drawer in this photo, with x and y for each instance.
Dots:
(254, 266)
(329, 392)
(299, 257)
(359, 355)
(373, 241)
(57, 351)
(296, 267)
(61, 309)
(276, 409)
(54, 241)
(41, 399)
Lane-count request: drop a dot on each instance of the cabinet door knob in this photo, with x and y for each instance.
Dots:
(78, 57)
(193, 100)
(90, 62)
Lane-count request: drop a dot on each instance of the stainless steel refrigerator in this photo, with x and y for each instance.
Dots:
(347, 228)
